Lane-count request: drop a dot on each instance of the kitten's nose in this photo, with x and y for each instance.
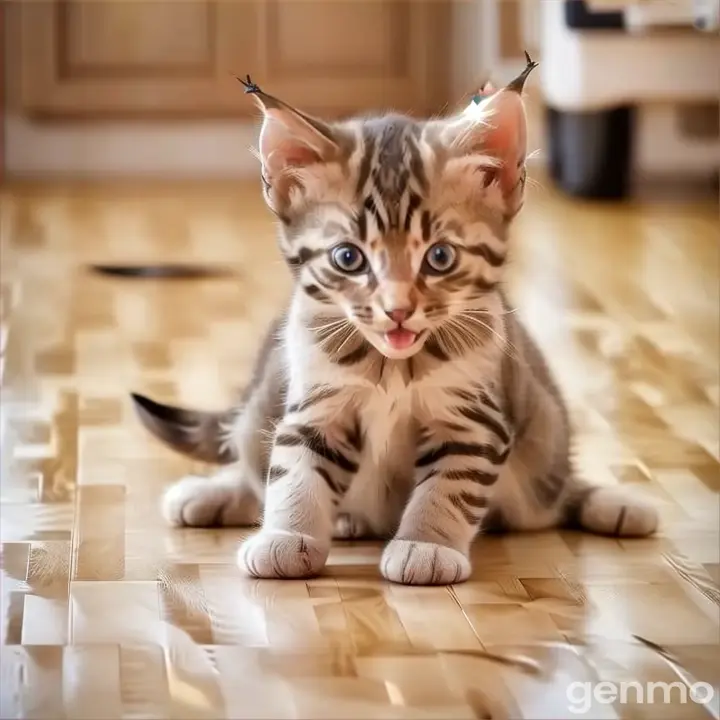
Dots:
(400, 315)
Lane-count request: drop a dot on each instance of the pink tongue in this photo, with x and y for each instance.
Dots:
(400, 338)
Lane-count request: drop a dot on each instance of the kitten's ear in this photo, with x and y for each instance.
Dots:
(494, 126)
(289, 140)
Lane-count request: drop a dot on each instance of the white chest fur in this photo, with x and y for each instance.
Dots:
(384, 478)
(385, 408)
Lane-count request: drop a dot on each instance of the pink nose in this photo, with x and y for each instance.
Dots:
(399, 315)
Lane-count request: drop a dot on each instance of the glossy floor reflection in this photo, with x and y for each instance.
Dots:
(106, 613)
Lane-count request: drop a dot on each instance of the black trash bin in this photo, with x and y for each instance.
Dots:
(591, 152)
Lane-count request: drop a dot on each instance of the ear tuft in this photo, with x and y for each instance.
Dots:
(250, 86)
(518, 83)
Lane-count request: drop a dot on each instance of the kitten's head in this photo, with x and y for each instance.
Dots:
(395, 224)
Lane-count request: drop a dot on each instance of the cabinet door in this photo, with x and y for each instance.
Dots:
(341, 57)
(116, 59)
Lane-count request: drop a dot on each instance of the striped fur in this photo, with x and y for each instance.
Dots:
(427, 445)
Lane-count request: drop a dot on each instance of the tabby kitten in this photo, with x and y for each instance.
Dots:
(397, 397)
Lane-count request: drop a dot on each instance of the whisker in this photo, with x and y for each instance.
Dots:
(324, 338)
(462, 336)
(534, 183)
(504, 342)
(491, 312)
(479, 311)
(332, 321)
(341, 336)
(447, 337)
(351, 334)
(455, 334)
(327, 326)
(459, 326)
(338, 334)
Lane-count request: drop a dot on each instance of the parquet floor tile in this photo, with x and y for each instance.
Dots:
(107, 613)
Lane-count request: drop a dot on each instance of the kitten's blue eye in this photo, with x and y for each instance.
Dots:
(348, 259)
(440, 259)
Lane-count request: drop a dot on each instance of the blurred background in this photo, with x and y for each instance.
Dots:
(626, 91)
(126, 142)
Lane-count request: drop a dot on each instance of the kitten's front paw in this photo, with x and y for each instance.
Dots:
(280, 554)
(422, 563)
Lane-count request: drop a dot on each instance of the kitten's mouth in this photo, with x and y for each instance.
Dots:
(401, 338)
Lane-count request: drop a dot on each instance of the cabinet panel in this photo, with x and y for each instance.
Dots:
(137, 39)
(66, 71)
(394, 54)
(163, 59)
(348, 39)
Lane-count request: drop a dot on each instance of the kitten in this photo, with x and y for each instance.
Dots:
(397, 397)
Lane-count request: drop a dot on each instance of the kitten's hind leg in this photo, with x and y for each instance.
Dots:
(351, 527)
(227, 499)
(609, 510)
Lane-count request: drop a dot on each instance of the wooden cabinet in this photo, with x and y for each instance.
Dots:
(175, 59)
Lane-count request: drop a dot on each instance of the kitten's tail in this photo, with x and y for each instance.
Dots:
(196, 434)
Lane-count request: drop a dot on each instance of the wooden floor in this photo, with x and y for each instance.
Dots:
(106, 613)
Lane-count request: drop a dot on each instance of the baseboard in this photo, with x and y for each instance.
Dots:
(200, 151)
(193, 150)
